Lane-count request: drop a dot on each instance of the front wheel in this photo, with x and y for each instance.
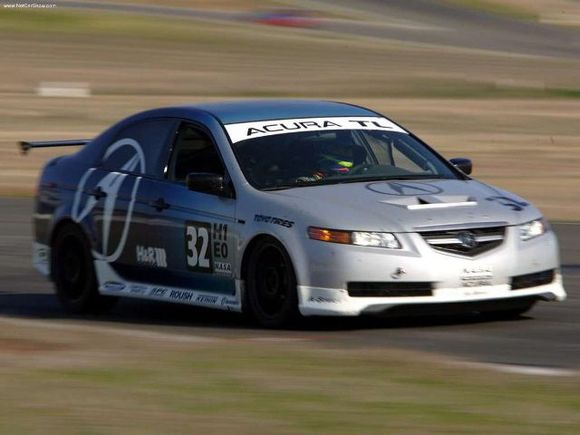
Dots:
(271, 293)
(74, 275)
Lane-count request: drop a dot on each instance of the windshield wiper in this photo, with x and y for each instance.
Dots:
(392, 178)
(417, 176)
(300, 183)
(279, 187)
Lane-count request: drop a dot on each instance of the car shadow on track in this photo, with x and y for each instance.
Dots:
(132, 311)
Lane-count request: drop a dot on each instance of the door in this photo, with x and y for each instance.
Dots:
(117, 202)
(197, 230)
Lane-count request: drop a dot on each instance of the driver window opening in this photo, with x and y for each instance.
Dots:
(194, 151)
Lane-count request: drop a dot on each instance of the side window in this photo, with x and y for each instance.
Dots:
(194, 151)
(139, 147)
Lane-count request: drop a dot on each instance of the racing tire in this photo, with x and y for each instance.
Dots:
(73, 274)
(271, 290)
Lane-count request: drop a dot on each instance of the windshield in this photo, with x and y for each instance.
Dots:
(299, 159)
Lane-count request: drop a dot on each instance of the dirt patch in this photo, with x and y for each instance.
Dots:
(24, 345)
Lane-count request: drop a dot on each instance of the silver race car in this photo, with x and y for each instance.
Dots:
(282, 209)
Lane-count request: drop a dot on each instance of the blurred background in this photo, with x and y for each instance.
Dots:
(494, 80)
(497, 81)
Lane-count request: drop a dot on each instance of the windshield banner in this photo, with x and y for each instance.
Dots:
(251, 130)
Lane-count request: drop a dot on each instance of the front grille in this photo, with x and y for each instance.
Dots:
(533, 279)
(389, 289)
(468, 242)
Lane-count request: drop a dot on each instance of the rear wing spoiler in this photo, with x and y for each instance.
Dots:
(26, 146)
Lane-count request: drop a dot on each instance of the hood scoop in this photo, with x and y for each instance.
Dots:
(427, 202)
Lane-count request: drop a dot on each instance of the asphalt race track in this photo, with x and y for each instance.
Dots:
(410, 21)
(549, 336)
(439, 23)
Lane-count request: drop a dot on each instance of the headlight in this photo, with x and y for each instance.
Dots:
(533, 229)
(381, 240)
(360, 238)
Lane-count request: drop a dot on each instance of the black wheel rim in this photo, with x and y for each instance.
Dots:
(72, 268)
(273, 282)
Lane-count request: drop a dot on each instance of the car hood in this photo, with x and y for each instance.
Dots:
(406, 206)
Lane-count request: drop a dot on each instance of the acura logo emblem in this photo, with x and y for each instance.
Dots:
(111, 247)
(467, 239)
(397, 188)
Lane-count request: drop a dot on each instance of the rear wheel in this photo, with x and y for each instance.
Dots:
(271, 285)
(74, 275)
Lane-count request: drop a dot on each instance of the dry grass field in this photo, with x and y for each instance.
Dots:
(60, 377)
(518, 117)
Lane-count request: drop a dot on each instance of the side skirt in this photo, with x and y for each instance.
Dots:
(111, 284)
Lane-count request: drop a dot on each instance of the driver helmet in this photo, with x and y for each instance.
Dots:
(338, 159)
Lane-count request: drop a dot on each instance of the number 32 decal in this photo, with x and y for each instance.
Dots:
(198, 246)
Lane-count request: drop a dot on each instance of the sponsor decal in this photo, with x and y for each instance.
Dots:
(397, 188)
(228, 302)
(250, 130)
(154, 257)
(184, 296)
(158, 292)
(273, 220)
(475, 292)
(107, 190)
(42, 254)
(509, 202)
(181, 295)
(221, 267)
(190, 296)
(41, 258)
(220, 240)
(323, 300)
(205, 246)
(476, 276)
(137, 289)
(114, 286)
(206, 299)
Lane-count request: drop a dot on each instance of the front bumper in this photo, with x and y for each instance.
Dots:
(454, 278)
(316, 301)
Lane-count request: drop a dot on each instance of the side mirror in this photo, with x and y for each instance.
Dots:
(462, 164)
(212, 184)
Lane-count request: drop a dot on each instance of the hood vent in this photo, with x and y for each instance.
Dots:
(468, 242)
(426, 202)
